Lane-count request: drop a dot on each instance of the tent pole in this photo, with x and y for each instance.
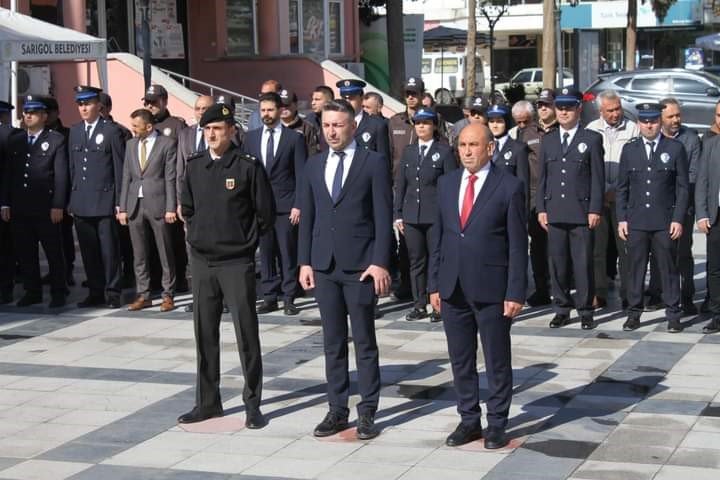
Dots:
(13, 74)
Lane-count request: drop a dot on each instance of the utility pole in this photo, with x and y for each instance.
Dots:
(471, 49)
(548, 46)
(396, 48)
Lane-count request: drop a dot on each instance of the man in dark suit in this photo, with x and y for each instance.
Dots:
(282, 152)
(508, 153)
(148, 203)
(96, 154)
(569, 200)
(652, 199)
(7, 260)
(707, 202)
(478, 278)
(344, 253)
(34, 199)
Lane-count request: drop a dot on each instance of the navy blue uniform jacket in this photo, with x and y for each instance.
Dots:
(488, 258)
(372, 134)
(356, 230)
(286, 170)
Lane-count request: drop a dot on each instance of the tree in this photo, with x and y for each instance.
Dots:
(548, 45)
(470, 49)
(660, 7)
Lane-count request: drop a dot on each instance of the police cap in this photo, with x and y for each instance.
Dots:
(219, 112)
(414, 84)
(567, 97)
(155, 92)
(648, 111)
(34, 104)
(287, 97)
(350, 87)
(425, 114)
(498, 110)
(86, 92)
(546, 96)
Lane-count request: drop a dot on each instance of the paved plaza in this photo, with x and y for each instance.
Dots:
(94, 394)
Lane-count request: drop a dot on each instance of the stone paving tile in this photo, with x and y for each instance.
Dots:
(593, 470)
(696, 457)
(670, 472)
(43, 470)
(637, 453)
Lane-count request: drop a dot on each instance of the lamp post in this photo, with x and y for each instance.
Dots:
(559, 40)
(492, 13)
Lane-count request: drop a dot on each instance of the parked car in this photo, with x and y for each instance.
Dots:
(697, 91)
(532, 80)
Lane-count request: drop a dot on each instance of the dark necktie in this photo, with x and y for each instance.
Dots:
(337, 179)
(423, 150)
(565, 143)
(270, 149)
(649, 150)
(31, 140)
(88, 129)
(496, 151)
(201, 143)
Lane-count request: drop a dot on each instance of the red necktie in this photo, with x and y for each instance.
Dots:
(468, 201)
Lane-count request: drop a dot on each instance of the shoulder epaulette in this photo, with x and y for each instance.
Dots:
(194, 156)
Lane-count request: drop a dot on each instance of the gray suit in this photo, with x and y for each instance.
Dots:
(158, 197)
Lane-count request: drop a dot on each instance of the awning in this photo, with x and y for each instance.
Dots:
(447, 36)
(709, 42)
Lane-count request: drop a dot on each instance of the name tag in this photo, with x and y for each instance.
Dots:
(399, 132)
(533, 141)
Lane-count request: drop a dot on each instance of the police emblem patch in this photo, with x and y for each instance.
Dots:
(168, 131)
(229, 183)
(508, 155)
(564, 91)
(436, 157)
(99, 138)
(45, 146)
(582, 147)
(366, 137)
(347, 83)
(665, 157)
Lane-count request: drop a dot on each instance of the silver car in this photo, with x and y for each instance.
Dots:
(697, 92)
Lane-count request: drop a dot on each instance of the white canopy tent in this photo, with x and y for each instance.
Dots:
(27, 39)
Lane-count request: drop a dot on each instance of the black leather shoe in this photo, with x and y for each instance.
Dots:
(587, 322)
(632, 323)
(254, 419)
(495, 438)
(463, 434)
(654, 304)
(713, 326)
(559, 321)
(290, 309)
(188, 308)
(705, 307)
(366, 427)
(435, 317)
(539, 299)
(113, 302)
(57, 301)
(267, 307)
(416, 314)
(332, 423)
(688, 307)
(91, 301)
(29, 299)
(198, 415)
(674, 326)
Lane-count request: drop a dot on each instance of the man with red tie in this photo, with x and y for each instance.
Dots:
(481, 234)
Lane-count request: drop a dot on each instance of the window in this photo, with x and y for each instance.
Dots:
(622, 81)
(426, 66)
(335, 27)
(446, 65)
(538, 76)
(650, 84)
(523, 77)
(316, 27)
(240, 17)
(689, 86)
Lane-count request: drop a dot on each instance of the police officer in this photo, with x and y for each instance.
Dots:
(7, 259)
(652, 202)
(569, 203)
(35, 196)
(509, 154)
(227, 203)
(422, 163)
(289, 118)
(96, 154)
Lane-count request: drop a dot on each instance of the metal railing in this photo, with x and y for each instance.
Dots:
(244, 105)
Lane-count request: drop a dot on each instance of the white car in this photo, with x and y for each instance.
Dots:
(532, 80)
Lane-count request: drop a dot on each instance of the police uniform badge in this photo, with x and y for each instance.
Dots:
(582, 147)
(225, 112)
(45, 146)
(347, 83)
(167, 131)
(229, 183)
(508, 155)
(435, 157)
(565, 91)
(366, 137)
(665, 157)
(99, 138)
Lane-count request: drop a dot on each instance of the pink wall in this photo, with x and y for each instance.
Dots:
(126, 90)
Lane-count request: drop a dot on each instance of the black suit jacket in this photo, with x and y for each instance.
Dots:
(416, 182)
(95, 169)
(285, 173)
(372, 134)
(572, 185)
(651, 195)
(37, 178)
(356, 230)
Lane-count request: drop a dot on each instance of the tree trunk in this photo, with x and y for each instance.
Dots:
(396, 48)
(631, 36)
(548, 46)
(470, 50)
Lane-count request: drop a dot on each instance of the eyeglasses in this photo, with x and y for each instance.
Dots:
(476, 113)
(148, 103)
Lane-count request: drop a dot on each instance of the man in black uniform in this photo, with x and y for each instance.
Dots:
(34, 199)
(290, 119)
(7, 259)
(569, 200)
(96, 153)
(156, 100)
(652, 202)
(227, 203)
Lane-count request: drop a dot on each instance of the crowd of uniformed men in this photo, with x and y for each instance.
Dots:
(601, 200)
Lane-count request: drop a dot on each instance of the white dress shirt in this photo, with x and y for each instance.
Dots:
(358, 118)
(572, 133)
(149, 142)
(481, 177)
(277, 130)
(646, 142)
(198, 135)
(500, 143)
(34, 135)
(92, 127)
(428, 145)
(332, 163)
